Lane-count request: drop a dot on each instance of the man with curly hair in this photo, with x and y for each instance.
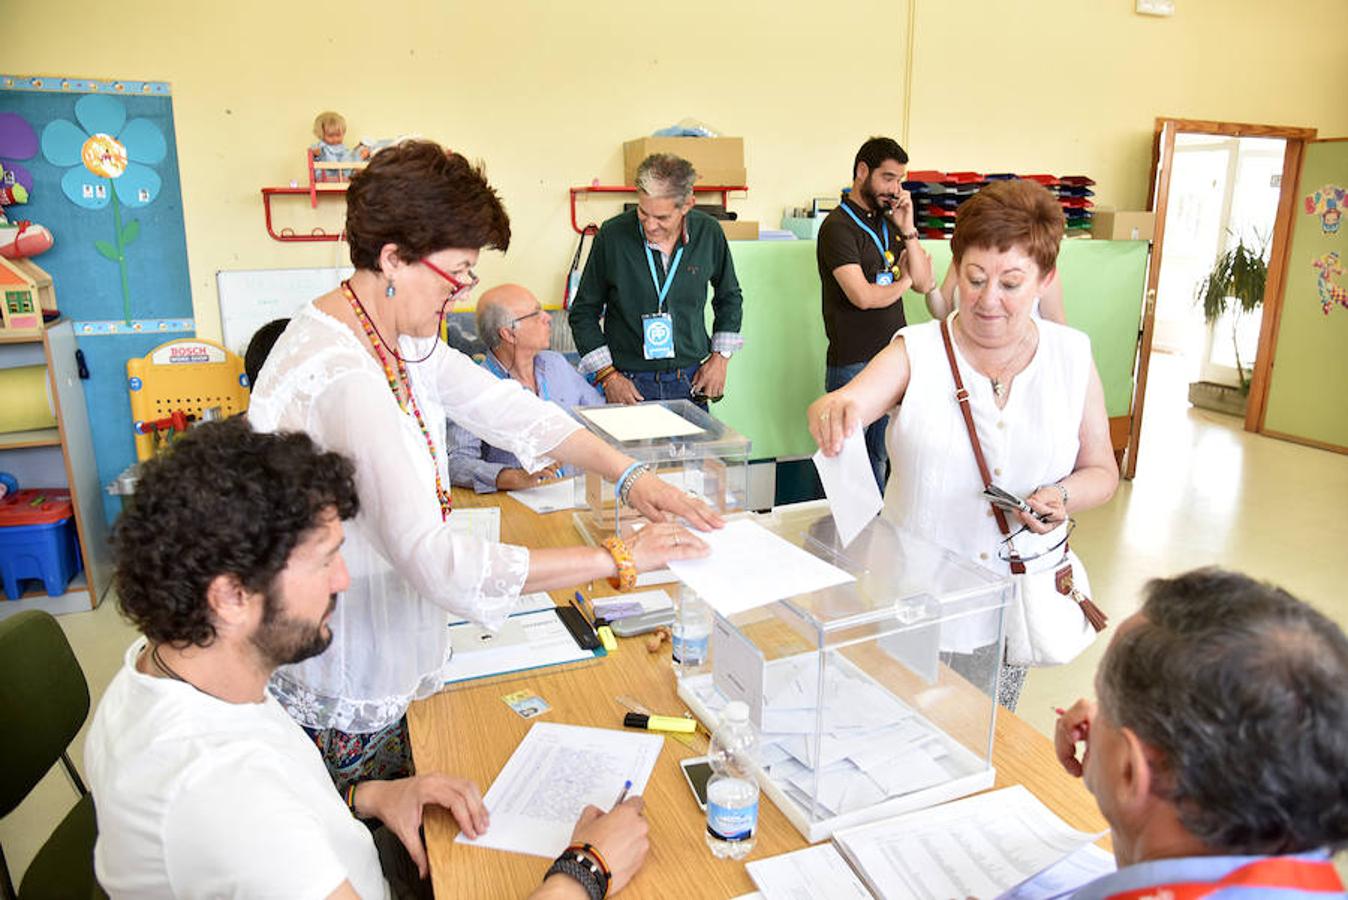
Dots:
(1218, 748)
(229, 562)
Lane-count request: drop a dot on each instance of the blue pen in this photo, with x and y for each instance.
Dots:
(580, 598)
(623, 796)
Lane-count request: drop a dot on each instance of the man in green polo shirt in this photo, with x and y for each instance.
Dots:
(639, 315)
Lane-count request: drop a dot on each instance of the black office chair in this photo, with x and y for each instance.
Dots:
(43, 702)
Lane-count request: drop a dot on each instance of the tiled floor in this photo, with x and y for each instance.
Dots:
(1206, 493)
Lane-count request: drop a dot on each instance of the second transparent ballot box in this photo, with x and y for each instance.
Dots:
(871, 698)
(682, 444)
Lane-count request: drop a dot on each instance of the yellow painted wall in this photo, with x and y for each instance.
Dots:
(546, 92)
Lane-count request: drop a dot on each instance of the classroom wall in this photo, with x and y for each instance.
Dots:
(546, 93)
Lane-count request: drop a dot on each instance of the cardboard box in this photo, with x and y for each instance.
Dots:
(1122, 225)
(739, 230)
(718, 161)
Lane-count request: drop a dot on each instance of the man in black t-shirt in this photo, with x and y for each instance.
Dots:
(868, 257)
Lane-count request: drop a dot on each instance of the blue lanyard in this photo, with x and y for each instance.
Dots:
(661, 291)
(864, 227)
(494, 367)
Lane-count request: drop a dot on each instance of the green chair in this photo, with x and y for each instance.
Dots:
(43, 702)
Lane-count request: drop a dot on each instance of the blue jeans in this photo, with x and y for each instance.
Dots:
(672, 384)
(834, 378)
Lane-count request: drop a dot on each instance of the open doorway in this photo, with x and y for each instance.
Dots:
(1215, 186)
(1223, 200)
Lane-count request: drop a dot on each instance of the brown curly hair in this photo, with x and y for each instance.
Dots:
(422, 198)
(1006, 214)
(226, 500)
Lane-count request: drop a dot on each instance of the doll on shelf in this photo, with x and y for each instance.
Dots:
(330, 129)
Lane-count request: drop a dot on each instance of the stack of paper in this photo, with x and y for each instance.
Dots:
(550, 497)
(525, 641)
(872, 746)
(1002, 843)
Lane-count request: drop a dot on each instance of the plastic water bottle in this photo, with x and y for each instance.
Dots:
(691, 634)
(732, 791)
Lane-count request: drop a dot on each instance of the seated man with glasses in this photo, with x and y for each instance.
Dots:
(517, 331)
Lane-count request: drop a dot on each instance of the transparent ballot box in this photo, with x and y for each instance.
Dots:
(872, 698)
(683, 445)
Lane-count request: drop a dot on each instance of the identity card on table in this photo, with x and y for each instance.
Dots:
(554, 772)
(849, 484)
(750, 566)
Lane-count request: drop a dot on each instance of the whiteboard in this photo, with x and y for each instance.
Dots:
(250, 298)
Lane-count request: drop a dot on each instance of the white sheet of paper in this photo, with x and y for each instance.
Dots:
(818, 871)
(640, 422)
(849, 483)
(483, 522)
(750, 566)
(557, 769)
(550, 497)
(524, 642)
(980, 846)
(523, 604)
(1064, 877)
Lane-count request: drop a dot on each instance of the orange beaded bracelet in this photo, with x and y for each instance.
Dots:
(626, 579)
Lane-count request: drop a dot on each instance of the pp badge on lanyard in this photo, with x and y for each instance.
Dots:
(885, 276)
(657, 329)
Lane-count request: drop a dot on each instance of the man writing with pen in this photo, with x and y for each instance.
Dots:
(204, 785)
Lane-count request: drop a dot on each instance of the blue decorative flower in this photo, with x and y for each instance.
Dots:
(109, 160)
(116, 154)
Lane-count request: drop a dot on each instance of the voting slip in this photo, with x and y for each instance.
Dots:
(526, 641)
(849, 483)
(550, 497)
(553, 774)
(750, 566)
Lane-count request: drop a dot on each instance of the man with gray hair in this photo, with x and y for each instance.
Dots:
(517, 331)
(638, 318)
(1218, 748)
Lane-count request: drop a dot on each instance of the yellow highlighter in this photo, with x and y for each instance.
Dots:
(606, 638)
(660, 723)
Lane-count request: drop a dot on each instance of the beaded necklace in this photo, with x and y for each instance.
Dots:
(394, 378)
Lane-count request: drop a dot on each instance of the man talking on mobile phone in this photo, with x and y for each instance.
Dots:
(869, 257)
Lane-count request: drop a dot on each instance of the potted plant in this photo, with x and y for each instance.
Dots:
(1235, 286)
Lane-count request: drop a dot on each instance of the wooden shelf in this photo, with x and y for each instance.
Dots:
(39, 437)
(75, 599)
(32, 337)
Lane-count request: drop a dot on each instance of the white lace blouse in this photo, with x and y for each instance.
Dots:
(408, 571)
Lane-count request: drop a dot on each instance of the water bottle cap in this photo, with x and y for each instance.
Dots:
(736, 711)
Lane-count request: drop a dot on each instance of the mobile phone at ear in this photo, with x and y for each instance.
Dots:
(641, 623)
(697, 771)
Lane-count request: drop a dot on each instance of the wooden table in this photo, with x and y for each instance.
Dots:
(471, 732)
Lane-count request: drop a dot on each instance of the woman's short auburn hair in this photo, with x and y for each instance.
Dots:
(1014, 213)
(422, 198)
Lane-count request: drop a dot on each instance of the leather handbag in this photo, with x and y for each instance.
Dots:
(1052, 618)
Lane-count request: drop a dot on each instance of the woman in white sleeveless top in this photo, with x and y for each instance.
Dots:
(1036, 399)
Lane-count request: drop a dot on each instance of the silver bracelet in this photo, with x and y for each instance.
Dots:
(625, 489)
(1062, 488)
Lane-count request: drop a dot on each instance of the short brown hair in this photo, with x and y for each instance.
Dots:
(1005, 214)
(422, 198)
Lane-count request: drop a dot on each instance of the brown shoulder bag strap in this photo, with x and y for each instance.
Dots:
(962, 397)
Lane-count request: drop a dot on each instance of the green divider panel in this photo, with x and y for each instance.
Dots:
(780, 371)
(1310, 367)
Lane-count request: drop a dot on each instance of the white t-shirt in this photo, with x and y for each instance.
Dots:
(197, 797)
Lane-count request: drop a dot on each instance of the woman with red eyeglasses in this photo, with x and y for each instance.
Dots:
(361, 370)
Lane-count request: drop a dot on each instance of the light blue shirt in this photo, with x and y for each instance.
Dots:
(1202, 869)
(474, 463)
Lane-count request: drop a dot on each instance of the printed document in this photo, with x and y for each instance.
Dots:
(849, 484)
(818, 871)
(750, 566)
(981, 846)
(554, 772)
(526, 641)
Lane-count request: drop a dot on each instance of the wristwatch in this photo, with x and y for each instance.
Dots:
(723, 354)
(911, 236)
